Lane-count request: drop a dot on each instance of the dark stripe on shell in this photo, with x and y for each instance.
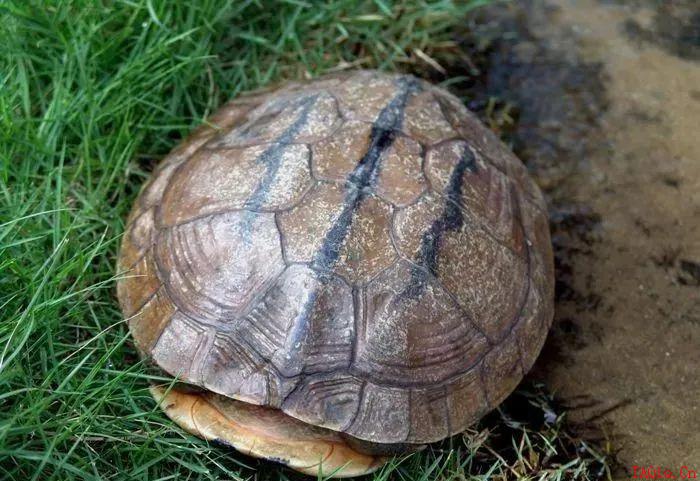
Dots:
(359, 184)
(271, 158)
(272, 155)
(451, 220)
(363, 177)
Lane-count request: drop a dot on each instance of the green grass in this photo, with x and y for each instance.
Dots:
(92, 94)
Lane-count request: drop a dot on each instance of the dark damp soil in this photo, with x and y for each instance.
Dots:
(675, 28)
(601, 100)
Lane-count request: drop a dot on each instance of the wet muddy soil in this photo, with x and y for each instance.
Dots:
(601, 99)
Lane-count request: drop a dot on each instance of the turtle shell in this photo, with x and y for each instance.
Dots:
(358, 251)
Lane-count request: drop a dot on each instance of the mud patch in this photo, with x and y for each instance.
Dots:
(689, 273)
(675, 27)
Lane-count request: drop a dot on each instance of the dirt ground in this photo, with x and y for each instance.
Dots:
(606, 100)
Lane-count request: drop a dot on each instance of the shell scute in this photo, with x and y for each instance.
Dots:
(448, 246)
(176, 349)
(502, 370)
(383, 414)
(401, 180)
(148, 322)
(138, 238)
(258, 178)
(231, 114)
(485, 195)
(285, 118)
(358, 252)
(303, 323)
(335, 157)
(425, 119)
(530, 330)
(466, 399)
(327, 399)
(215, 266)
(430, 418)
(231, 367)
(304, 226)
(412, 333)
(138, 285)
(363, 96)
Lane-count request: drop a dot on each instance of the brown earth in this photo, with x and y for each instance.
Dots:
(606, 97)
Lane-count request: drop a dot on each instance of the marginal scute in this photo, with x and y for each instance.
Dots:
(214, 266)
(258, 178)
(466, 399)
(429, 414)
(383, 414)
(142, 231)
(206, 356)
(412, 333)
(234, 369)
(148, 323)
(536, 225)
(531, 328)
(178, 345)
(522, 178)
(138, 284)
(326, 399)
(538, 310)
(152, 193)
(502, 370)
(138, 238)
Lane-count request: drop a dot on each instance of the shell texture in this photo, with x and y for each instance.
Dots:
(358, 251)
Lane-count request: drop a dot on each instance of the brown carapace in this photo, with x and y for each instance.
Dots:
(338, 270)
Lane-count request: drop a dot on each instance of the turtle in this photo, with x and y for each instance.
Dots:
(336, 271)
